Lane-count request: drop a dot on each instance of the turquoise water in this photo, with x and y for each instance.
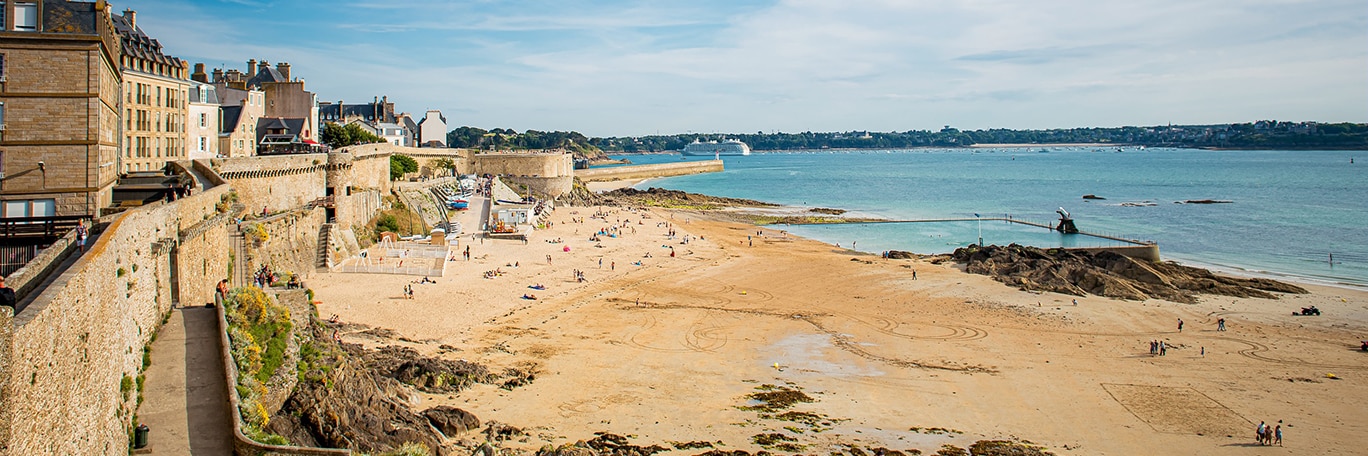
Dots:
(1289, 210)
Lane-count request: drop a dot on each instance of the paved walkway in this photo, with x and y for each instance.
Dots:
(184, 397)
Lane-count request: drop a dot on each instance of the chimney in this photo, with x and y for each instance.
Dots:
(251, 67)
(132, 17)
(218, 75)
(284, 69)
(199, 75)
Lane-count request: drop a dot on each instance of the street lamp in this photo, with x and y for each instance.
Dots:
(980, 228)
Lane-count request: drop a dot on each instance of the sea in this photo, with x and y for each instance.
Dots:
(1294, 215)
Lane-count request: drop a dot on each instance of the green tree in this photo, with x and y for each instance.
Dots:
(400, 165)
(337, 136)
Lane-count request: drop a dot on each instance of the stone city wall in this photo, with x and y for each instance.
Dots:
(541, 187)
(291, 244)
(648, 171)
(79, 339)
(524, 164)
(276, 182)
(6, 345)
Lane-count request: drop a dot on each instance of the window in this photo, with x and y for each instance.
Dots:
(2, 116)
(2, 56)
(26, 17)
(30, 208)
(203, 144)
(204, 119)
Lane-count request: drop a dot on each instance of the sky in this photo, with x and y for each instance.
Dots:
(640, 67)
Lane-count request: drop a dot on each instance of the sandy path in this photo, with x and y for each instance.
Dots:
(666, 351)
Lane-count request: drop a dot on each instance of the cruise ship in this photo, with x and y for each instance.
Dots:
(728, 147)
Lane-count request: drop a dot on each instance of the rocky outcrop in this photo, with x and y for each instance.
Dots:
(350, 397)
(1108, 274)
(675, 198)
(900, 255)
(451, 421)
(432, 375)
(353, 408)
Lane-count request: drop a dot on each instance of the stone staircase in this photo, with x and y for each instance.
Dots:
(325, 241)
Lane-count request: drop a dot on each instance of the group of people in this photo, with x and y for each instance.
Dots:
(408, 291)
(579, 275)
(265, 276)
(1269, 435)
(1158, 348)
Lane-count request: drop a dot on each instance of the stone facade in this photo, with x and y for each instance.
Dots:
(241, 111)
(156, 100)
(203, 124)
(59, 100)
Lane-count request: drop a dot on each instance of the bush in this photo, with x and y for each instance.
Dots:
(258, 330)
(387, 222)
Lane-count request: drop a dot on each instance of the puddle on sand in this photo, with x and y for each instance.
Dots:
(812, 354)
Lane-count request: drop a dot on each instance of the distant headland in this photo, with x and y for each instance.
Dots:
(1263, 134)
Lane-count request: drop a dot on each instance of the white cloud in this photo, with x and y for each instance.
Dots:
(640, 67)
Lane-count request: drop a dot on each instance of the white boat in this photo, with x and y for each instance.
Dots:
(728, 147)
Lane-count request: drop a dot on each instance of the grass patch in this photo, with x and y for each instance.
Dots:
(258, 329)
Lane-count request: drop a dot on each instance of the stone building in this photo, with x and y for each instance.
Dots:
(432, 130)
(156, 101)
(284, 96)
(59, 108)
(239, 135)
(205, 115)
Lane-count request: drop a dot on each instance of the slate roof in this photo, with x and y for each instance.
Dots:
(336, 113)
(138, 44)
(292, 127)
(210, 93)
(230, 118)
(265, 75)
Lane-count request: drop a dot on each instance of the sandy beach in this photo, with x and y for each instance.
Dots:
(666, 348)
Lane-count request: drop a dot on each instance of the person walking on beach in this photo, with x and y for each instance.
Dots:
(1220, 324)
(1277, 435)
(612, 266)
(1259, 432)
(914, 274)
(1180, 325)
(1163, 348)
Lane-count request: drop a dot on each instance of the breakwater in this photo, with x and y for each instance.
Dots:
(649, 171)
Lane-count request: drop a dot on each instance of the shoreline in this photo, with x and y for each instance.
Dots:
(852, 218)
(668, 351)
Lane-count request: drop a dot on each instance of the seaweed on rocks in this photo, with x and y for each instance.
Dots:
(1104, 273)
(432, 375)
(1006, 448)
(771, 398)
(660, 197)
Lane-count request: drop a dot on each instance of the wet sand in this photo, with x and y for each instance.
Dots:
(668, 351)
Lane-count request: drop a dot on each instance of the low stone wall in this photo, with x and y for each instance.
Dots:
(1139, 252)
(648, 171)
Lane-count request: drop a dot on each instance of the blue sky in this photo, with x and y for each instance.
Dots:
(619, 68)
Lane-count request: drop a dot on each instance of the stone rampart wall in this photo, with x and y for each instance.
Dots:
(6, 345)
(648, 171)
(83, 334)
(524, 165)
(541, 187)
(276, 183)
(291, 244)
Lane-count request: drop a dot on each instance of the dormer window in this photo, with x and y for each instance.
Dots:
(26, 17)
